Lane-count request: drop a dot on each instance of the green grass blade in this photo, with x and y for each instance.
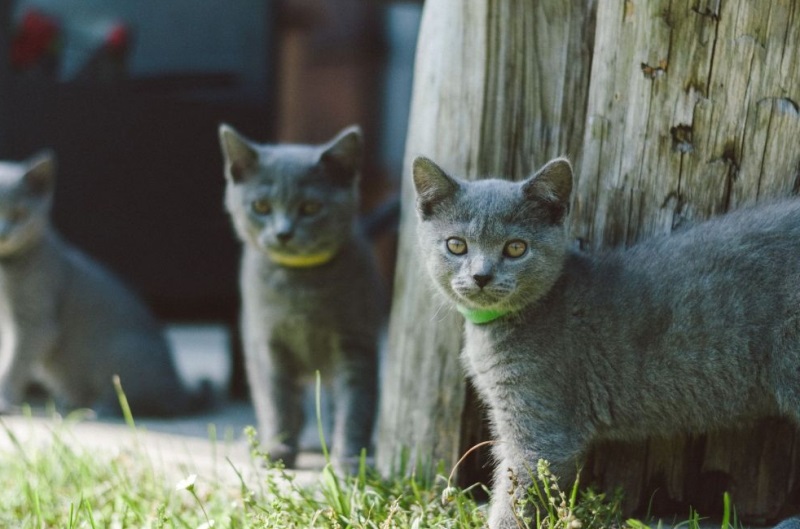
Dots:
(320, 429)
(726, 511)
(123, 402)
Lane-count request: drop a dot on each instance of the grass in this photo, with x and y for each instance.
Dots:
(57, 483)
(54, 483)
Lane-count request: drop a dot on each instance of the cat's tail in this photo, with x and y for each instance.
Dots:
(195, 400)
(789, 523)
(177, 401)
(384, 217)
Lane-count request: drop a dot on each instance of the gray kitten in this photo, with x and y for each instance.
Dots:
(311, 294)
(65, 321)
(680, 333)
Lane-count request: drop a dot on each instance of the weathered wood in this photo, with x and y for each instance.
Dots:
(693, 110)
(499, 87)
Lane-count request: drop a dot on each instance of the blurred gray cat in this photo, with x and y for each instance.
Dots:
(311, 294)
(679, 333)
(66, 322)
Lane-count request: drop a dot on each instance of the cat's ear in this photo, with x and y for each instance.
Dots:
(40, 174)
(341, 157)
(433, 185)
(551, 187)
(240, 155)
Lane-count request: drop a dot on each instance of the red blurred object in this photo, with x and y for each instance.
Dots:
(36, 40)
(118, 39)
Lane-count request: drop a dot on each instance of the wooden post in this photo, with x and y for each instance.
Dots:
(500, 87)
(693, 110)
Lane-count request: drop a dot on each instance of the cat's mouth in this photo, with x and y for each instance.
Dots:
(480, 298)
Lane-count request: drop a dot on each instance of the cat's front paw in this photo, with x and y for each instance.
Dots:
(284, 453)
(501, 510)
(10, 399)
(506, 520)
(7, 408)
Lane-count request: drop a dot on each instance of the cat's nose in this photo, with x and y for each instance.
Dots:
(482, 279)
(284, 236)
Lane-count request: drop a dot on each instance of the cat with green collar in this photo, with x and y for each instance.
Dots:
(66, 322)
(311, 294)
(679, 333)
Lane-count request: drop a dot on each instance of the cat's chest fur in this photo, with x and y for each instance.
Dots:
(32, 285)
(324, 295)
(312, 312)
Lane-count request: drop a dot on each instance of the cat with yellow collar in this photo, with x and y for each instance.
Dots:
(311, 294)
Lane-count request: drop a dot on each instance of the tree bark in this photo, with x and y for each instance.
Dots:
(693, 110)
(500, 87)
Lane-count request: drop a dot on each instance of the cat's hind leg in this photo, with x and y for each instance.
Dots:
(785, 372)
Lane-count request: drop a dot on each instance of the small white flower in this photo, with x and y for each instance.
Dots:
(187, 484)
(448, 495)
(206, 525)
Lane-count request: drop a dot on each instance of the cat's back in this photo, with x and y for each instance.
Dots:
(732, 279)
(97, 303)
(744, 246)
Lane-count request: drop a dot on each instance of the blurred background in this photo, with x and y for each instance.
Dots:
(130, 95)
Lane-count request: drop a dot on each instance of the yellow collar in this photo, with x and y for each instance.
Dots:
(301, 261)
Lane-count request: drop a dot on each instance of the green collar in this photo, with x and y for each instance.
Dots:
(481, 316)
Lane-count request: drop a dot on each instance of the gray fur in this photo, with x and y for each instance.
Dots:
(65, 321)
(789, 523)
(677, 334)
(299, 320)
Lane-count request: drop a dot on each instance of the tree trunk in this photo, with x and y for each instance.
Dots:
(500, 87)
(693, 110)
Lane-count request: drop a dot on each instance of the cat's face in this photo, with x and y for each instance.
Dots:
(493, 244)
(295, 203)
(26, 190)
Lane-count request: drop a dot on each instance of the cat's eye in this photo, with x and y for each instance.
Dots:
(262, 206)
(456, 246)
(515, 248)
(310, 208)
